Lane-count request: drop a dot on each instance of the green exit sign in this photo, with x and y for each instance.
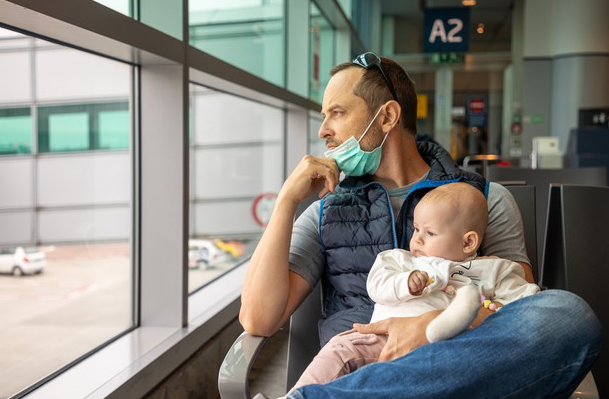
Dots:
(446, 58)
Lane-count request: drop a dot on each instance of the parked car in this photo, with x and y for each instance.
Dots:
(20, 261)
(235, 248)
(205, 254)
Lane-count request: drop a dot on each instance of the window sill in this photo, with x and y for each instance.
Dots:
(135, 363)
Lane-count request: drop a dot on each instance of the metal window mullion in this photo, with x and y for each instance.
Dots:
(164, 195)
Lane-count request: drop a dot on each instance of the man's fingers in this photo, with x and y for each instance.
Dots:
(394, 349)
(386, 354)
(324, 169)
(329, 183)
(333, 175)
(311, 175)
(373, 328)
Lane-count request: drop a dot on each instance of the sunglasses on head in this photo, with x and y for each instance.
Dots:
(369, 60)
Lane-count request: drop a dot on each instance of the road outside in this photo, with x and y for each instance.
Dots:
(81, 300)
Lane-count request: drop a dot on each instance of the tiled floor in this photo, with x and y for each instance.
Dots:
(268, 374)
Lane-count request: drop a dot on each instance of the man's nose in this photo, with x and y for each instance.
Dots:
(324, 131)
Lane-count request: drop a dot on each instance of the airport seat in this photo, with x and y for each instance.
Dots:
(303, 342)
(541, 179)
(481, 162)
(574, 254)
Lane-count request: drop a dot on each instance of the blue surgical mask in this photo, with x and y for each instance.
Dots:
(352, 160)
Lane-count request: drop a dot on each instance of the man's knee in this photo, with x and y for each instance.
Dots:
(558, 315)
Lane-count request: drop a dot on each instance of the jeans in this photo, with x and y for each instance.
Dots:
(540, 346)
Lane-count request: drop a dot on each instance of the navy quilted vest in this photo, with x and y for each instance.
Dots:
(357, 222)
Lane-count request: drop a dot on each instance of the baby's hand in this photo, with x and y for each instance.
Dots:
(490, 305)
(417, 281)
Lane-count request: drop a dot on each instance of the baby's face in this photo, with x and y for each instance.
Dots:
(436, 232)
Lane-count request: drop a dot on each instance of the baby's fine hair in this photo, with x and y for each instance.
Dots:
(469, 203)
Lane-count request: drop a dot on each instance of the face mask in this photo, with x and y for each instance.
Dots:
(354, 161)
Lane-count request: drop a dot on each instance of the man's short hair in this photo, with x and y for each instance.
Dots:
(373, 89)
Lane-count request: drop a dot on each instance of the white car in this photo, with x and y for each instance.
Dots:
(205, 254)
(19, 261)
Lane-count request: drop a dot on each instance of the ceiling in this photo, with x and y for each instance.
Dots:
(483, 65)
(496, 15)
(488, 55)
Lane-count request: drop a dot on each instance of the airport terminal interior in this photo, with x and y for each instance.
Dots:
(143, 144)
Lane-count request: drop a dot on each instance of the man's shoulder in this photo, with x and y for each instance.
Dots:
(311, 212)
(501, 202)
(497, 192)
(498, 187)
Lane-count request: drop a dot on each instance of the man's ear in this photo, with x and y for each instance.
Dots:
(393, 112)
(471, 239)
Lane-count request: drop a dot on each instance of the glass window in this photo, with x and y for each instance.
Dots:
(347, 7)
(114, 129)
(163, 15)
(317, 147)
(70, 132)
(66, 272)
(122, 6)
(249, 34)
(322, 39)
(236, 170)
(15, 131)
(81, 127)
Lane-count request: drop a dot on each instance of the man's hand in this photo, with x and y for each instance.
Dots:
(485, 312)
(310, 175)
(404, 334)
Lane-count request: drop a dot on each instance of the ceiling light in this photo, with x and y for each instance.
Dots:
(468, 2)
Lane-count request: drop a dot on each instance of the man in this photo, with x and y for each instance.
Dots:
(369, 126)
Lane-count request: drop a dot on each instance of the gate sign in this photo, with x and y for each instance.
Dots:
(446, 30)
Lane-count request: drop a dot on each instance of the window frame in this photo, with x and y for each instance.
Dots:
(93, 110)
(17, 111)
(173, 326)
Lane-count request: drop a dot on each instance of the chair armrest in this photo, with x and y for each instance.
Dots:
(234, 371)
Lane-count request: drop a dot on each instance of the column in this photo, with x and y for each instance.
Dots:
(565, 64)
(443, 106)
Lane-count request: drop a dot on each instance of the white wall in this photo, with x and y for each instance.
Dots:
(84, 225)
(66, 74)
(16, 227)
(15, 69)
(16, 183)
(71, 198)
(84, 179)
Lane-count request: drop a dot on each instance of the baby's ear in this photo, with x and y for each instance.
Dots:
(471, 239)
